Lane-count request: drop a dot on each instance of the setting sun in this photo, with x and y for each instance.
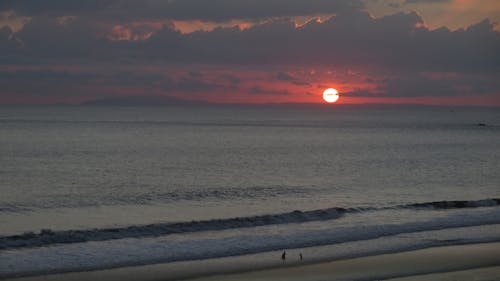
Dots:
(330, 95)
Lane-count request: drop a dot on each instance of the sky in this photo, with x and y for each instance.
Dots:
(438, 52)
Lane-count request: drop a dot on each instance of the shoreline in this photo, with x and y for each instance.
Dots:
(394, 266)
(399, 266)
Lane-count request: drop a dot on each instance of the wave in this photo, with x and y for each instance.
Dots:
(340, 242)
(48, 237)
(457, 204)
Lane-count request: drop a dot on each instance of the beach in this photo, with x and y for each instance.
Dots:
(409, 264)
(480, 262)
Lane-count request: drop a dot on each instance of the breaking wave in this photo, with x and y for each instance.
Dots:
(49, 237)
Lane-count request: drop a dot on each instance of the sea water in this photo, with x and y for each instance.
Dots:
(90, 187)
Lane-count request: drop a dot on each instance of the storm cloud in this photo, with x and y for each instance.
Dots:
(388, 56)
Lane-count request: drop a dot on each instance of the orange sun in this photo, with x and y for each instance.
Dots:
(331, 95)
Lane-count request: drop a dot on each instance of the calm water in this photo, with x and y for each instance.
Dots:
(95, 168)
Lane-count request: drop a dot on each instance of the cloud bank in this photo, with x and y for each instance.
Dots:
(390, 56)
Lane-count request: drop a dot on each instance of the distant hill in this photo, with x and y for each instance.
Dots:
(142, 101)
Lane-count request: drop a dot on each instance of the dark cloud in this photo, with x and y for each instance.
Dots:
(142, 101)
(188, 84)
(418, 86)
(421, 86)
(128, 78)
(195, 74)
(257, 90)
(214, 10)
(43, 82)
(287, 77)
(345, 40)
(399, 45)
(45, 37)
(6, 42)
(356, 39)
(426, 1)
(234, 80)
(52, 7)
(64, 83)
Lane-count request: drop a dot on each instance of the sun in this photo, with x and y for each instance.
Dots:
(331, 95)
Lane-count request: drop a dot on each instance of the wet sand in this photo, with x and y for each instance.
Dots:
(412, 263)
(481, 261)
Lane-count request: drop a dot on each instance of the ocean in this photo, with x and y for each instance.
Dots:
(96, 187)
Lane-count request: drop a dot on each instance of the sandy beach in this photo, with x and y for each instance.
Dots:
(481, 261)
(480, 274)
(412, 263)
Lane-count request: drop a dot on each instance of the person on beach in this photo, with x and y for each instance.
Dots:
(283, 256)
(300, 255)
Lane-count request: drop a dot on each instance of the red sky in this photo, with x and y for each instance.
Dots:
(441, 52)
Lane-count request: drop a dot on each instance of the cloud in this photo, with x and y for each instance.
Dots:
(64, 83)
(42, 82)
(142, 101)
(425, 1)
(282, 76)
(233, 80)
(189, 84)
(195, 74)
(418, 86)
(425, 86)
(396, 41)
(392, 55)
(48, 86)
(285, 77)
(393, 41)
(257, 90)
(6, 42)
(45, 37)
(214, 10)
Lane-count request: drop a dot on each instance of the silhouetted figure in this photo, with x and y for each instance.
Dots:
(300, 255)
(283, 256)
